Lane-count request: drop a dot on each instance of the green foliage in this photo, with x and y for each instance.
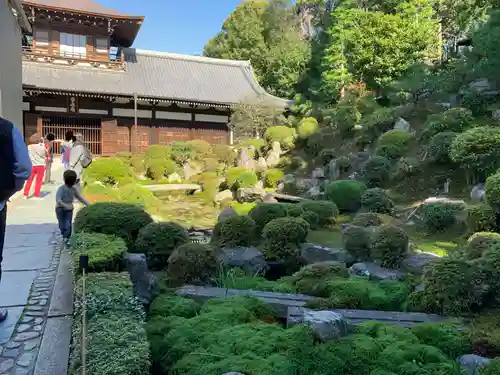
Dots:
(224, 154)
(257, 143)
(156, 169)
(158, 241)
(376, 172)
(109, 171)
(158, 152)
(376, 123)
(389, 246)
(438, 217)
(182, 151)
(393, 144)
(439, 147)
(263, 213)
(490, 271)
(210, 184)
(137, 195)
(315, 144)
(293, 209)
(477, 149)
(105, 252)
(377, 200)
(193, 263)
(234, 231)
(233, 174)
(307, 126)
(326, 155)
(137, 163)
(492, 190)
(118, 219)
(346, 194)
(454, 120)
(243, 208)
(282, 134)
(313, 278)
(357, 241)
(167, 305)
(479, 243)
(480, 218)
(246, 179)
(273, 176)
(367, 219)
(493, 368)
(449, 338)
(325, 210)
(201, 148)
(283, 237)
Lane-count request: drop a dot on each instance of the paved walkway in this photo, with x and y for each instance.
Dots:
(36, 288)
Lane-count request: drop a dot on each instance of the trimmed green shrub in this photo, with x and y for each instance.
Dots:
(393, 144)
(210, 184)
(313, 278)
(453, 120)
(367, 219)
(273, 176)
(479, 243)
(109, 171)
(193, 263)
(293, 209)
(166, 305)
(158, 152)
(283, 237)
(233, 174)
(439, 147)
(138, 195)
(346, 194)
(357, 241)
(307, 126)
(477, 149)
(325, 210)
(314, 145)
(137, 163)
(389, 245)
(480, 218)
(492, 190)
(182, 151)
(224, 154)
(242, 208)
(263, 213)
(490, 271)
(376, 171)
(105, 252)
(119, 219)
(449, 338)
(377, 200)
(157, 169)
(246, 179)
(258, 144)
(327, 155)
(312, 219)
(201, 148)
(438, 217)
(234, 231)
(282, 134)
(158, 241)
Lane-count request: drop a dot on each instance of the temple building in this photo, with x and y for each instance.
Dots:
(81, 73)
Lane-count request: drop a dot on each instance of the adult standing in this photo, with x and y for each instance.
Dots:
(49, 144)
(66, 148)
(38, 155)
(15, 169)
(79, 159)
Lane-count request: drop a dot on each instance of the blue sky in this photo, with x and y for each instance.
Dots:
(179, 26)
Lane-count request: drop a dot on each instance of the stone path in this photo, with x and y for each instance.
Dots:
(36, 288)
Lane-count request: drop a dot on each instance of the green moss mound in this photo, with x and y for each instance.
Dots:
(389, 246)
(326, 211)
(263, 213)
(283, 237)
(377, 200)
(346, 194)
(479, 243)
(193, 263)
(234, 231)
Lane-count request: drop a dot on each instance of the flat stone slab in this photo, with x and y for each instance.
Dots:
(61, 303)
(286, 198)
(27, 257)
(15, 287)
(171, 187)
(54, 350)
(7, 327)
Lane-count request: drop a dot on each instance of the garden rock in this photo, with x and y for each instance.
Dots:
(273, 158)
(269, 198)
(226, 213)
(254, 194)
(306, 183)
(223, 195)
(174, 178)
(247, 258)
(144, 282)
(191, 169)
(326, 325)
(415, 263)
(402, 124)
(471, 363)
(245, 160)
(289, 178)
(332, 170)
(261, 164)
(375, 272)
(318, 173)
(313, 253)
(477, 193)
(314, 193)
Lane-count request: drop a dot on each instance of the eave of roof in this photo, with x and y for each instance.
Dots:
(21, 15)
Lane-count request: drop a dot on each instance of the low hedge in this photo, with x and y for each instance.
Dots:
(116, 336)
(105, 252)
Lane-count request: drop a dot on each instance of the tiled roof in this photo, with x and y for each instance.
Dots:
(87, 6)
(157, 75)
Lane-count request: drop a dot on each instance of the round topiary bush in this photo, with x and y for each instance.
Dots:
(273, 176)
(477, 149)
(389, 246)
(367, 219)
(307, 126)
(202, 149)
(326, 211)
(357, 241)
(158, 241)
(376, 172)
(119, 219)
(224, 154)
(453, 120)
(393, 144)
(234, 231)
(157, 169)
(293, 209)
(282, 134)
(479, 243)
(158, 152)
(438, 217)
(312, 219)
(377, 200)
(246, 179)
(492, 190)
(109, 171)
(346, 194)
(439, 147)
(480, 218)
(313, 278)
(193, 263)
(283, 237)
(263, 213)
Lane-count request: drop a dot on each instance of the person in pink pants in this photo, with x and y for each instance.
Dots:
(38, 154)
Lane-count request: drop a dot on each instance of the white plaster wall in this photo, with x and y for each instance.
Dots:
(11, 91)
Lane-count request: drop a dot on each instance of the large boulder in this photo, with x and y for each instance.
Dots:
(471, 363)
(226, 213)
(477, 193)
(269, 198)
(315, 193)
(247, 258)
(313, 253)
(273, 157)
(261, 164)
(191, 169)
(326, 325)
(144, 282)
(245, 159)
(416, 263)
(318, 173)
(223, 195)
(255, 194)
(375, 272)
(402, 124)
(332, 170)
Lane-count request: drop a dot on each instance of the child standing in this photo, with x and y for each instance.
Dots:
(65, 197)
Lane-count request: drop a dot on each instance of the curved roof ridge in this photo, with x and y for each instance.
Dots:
(249, 74)
(201, 59)
(80, 6)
